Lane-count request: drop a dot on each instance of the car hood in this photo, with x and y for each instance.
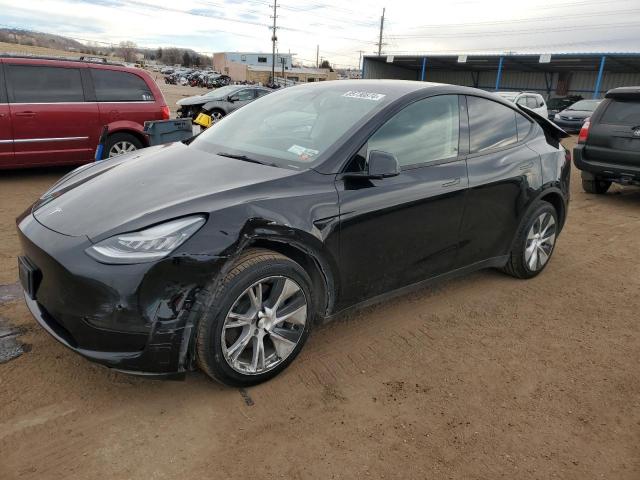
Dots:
(197, 100)
(579, 114)
(150, 186)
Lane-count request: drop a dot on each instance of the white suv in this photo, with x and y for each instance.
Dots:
(534, 101)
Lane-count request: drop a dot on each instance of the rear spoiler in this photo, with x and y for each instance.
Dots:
(624, 93)
(553, 132)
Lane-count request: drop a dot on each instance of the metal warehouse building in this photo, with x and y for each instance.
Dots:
(552, 75)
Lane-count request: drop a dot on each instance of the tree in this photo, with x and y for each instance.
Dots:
(127, 51)
(159, 53)
(326, 64)
(186, 59)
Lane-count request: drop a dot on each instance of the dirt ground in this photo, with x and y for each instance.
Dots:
(483, 377)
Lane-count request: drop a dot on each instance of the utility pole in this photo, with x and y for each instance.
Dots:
(317, 55)
(381, 29)
(274, 39)
(360, 60)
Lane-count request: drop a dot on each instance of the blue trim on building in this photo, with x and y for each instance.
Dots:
(596, 90)
(499, 75)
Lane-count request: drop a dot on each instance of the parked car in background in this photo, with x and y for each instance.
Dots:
(608, 148)
(572, 118)
(532, 101)
(557, 104)
(223, 254)
(220, 102)
(52, 111)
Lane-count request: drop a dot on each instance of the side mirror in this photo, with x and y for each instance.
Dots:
(383, 164)
(233, 98)
(380, 165)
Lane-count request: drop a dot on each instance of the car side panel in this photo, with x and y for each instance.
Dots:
(6, 129)
(501, 186)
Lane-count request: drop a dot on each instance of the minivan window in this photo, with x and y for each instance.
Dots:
(40, 84)
(425, 131)
(492, 125)
(532, 102)
(621, 112)
(116, 86)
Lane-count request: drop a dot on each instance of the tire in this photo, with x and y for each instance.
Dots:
(231, 330)
(527, 257)
(596, 186)
(121, 143)
(216, 114)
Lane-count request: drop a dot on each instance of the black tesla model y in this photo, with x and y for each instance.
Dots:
(223, 252)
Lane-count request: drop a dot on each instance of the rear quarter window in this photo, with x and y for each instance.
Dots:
(492, 125)
(40, 84)
(117, 86)
(622, 112)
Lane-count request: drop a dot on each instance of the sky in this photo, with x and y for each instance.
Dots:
(341, 29)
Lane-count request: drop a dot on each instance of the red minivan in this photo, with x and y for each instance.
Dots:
(52, 111)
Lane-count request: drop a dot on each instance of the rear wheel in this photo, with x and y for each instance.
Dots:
(257, 320)
(596, 186)
(534, 243)
(121, 143)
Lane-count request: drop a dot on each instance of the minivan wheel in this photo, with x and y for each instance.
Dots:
(534, 243)
(121, 143)
(597, 186)
(256, 321)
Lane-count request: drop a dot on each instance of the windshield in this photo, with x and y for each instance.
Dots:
(292, 127)
(222, 92)
(585, 105)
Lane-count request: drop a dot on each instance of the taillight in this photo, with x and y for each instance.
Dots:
(166, 114)
(584, 131)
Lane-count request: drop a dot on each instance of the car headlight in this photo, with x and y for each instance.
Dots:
(556, 116)
(146, 245)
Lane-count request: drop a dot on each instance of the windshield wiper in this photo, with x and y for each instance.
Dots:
(244, 158)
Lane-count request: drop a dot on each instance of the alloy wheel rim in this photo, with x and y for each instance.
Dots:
(540, 241)
(264, 325)
(216, 115)
(121, 148)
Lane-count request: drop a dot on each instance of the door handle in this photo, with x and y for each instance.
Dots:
(25, 114)
(451, 183)
(526, 166)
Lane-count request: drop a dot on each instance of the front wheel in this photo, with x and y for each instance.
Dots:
(256, 321)
(534, 243)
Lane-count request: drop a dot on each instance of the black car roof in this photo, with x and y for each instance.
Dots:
(396, 89)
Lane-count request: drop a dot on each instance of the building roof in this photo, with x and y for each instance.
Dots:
(267, 68)
(527, 62)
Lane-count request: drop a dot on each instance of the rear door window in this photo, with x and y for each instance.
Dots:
(116, 86)
(40, 84)
(532, 102)
(622, 113)
(491, 124)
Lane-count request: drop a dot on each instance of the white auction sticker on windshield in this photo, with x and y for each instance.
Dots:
(364, 95)
(303, 152)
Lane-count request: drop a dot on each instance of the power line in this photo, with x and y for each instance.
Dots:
(524, 20)
(510, 32)
(501, 48)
